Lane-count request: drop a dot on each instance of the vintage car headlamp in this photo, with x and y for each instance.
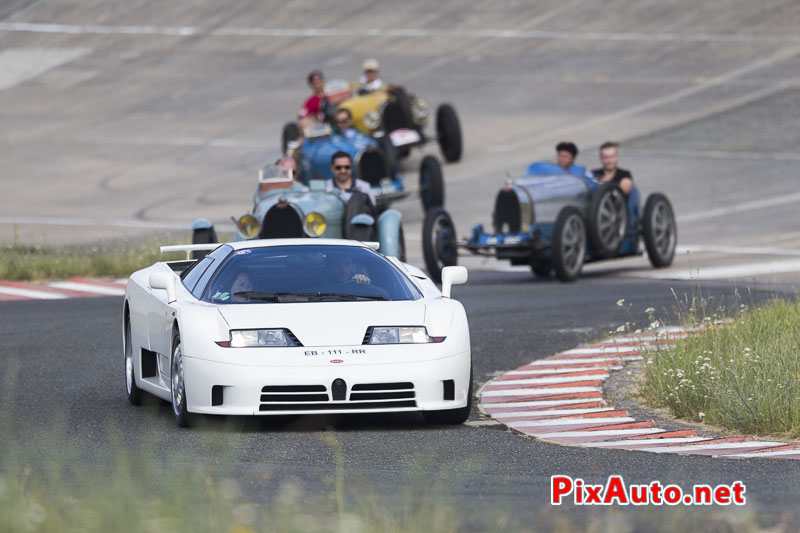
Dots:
(420, 109)
(372, 119)
(244, 338)
(248, 226)
(315, 224)
(400, 335)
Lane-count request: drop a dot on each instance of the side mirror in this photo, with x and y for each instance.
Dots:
(164, 280)
(452, 275)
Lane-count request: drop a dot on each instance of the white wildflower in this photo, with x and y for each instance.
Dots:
(701, 415)
(620, 302)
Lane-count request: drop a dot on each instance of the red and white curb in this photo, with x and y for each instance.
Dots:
(60, 290)
(559, 399)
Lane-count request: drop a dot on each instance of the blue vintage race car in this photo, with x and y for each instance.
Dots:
(374, 161)
(286, 208)
(554, 221)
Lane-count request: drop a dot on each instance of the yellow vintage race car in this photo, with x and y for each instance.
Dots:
(402, 117)
(392, 113)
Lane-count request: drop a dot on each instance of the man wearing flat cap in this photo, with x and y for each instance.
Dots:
(369, 79)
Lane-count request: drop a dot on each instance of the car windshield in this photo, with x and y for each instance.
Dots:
(308, 273)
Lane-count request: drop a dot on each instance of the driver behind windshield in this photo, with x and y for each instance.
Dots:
(344, 124)
(344, 269)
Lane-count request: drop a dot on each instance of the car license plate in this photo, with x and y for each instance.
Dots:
(336, 351)
(403, 137)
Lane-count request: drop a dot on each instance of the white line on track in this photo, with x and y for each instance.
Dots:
(728, 271)
(643, 442)
(602, 350)
(584, 360)
(28, 293)
(569, 422)
(538, 403)
(599, 433)
(118, 223)
(762, 454)
(554, 412)
(547, 381)
(558, 371)
(86, 287)
(765, 203)
(721, 446)
(540, 392)
(418, 33)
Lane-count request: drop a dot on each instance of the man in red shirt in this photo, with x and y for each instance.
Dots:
(312, 108)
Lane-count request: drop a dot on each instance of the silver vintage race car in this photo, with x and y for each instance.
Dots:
(558, 222)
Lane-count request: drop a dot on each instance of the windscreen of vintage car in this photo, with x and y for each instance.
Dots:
(308, 273)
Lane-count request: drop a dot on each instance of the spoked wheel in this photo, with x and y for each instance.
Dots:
(431, 183)
(178, 385)
(448, 131)
(452, 416)
(608, 220)
(134, 392)
(291, 132)
(569, 244)
(438, 242)
(659, 229)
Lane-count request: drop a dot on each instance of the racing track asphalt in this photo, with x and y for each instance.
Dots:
(62, 361)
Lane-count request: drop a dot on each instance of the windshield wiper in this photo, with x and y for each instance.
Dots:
(350, 297)
(289, 297)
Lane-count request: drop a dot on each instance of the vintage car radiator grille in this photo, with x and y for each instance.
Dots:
(311, 398)
(507, 216)
(282, 221)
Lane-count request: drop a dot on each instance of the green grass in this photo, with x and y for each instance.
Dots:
(20, 263)
(743, 375)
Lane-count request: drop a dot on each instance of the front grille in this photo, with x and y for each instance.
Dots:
(309, 398)
(409, 404)
(282, 221)
(294, 393)
(507, 216)
(372, 392)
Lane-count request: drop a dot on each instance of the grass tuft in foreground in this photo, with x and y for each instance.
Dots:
(743, 375)
(20, 263)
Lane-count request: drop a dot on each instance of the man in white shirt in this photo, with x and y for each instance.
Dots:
(369, 80)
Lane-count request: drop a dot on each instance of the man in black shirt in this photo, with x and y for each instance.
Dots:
(609, 156)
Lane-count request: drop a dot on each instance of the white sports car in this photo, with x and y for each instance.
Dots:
(293, 326)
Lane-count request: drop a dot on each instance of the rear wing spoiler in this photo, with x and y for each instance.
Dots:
(188, 248)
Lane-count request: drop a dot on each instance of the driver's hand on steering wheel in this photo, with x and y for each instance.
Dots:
(361, 278)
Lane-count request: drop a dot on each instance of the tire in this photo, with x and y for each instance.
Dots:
(203, 236)
(438, 242)
(659, 230)
(133, 392)
(541, 270)
(177, 384)
(401, 245)
(569, 244)
(291, 132)
(431, 183)
(448, 131)
(608, 220)
(452, 416)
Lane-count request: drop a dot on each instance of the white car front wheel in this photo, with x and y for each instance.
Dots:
(178, 386)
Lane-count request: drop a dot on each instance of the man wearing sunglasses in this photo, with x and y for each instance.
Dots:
(344, 124)
(343, 182)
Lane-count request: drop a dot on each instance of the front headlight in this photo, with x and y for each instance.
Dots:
(248, 226)
(400, 335)
(243, 338)
(420, 110)
(372, 119)
(315, 224)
